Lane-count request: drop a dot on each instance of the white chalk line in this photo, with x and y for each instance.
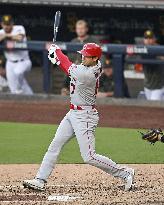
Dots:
(63, 198)
(22, 201)
(48, 186)
(50, 198)
(65, 185)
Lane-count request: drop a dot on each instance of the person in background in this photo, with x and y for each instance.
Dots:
(82, 36)
(154, 74)
(17, 61)
(106, 83)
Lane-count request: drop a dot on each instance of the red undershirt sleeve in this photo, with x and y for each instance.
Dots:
(65, 63)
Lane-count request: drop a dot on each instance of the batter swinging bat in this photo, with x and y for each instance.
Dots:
(56, 26)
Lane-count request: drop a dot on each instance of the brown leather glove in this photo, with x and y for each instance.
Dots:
(153, 135)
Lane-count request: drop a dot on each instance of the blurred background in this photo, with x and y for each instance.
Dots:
(131, 34)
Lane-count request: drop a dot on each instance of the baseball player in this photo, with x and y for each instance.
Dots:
(18, 62)
(82, 119)
(154, 75)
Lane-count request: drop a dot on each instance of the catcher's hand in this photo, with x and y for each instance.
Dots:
(152, 135)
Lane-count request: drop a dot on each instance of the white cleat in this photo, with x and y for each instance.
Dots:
(35, 184)
(129, 180)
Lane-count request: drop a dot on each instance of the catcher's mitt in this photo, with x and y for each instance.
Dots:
(152, 135)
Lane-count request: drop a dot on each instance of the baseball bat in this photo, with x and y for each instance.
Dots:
(56, 26)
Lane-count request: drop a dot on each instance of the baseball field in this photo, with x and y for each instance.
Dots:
(22, 146)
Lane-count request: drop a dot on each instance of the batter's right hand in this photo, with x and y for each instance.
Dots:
(52, 54)
(53, 48)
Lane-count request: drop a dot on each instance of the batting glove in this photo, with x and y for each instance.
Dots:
(52, 54)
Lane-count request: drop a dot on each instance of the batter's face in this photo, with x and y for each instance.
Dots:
(7, 27)
(81, 30)
(89, 61)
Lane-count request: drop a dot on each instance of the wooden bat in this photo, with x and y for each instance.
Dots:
(56, 26)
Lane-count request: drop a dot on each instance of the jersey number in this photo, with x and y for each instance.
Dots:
(96, 87)
(72, 88)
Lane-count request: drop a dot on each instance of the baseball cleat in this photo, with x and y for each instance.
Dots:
(129, 180)
(35, 184)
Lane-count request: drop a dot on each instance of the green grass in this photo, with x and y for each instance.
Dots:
(27, 143)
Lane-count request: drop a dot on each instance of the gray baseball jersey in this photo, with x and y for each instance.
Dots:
(84, 83)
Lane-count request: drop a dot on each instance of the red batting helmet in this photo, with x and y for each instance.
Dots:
(91, 49)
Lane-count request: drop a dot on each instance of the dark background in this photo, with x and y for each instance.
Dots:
(107, 23)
